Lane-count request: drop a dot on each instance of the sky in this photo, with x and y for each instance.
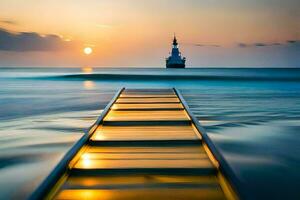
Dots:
(137, 33)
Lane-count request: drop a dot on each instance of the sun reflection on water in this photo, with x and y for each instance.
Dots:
(89, 85)
(87, 69)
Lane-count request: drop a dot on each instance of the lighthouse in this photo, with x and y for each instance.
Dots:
(175, 60)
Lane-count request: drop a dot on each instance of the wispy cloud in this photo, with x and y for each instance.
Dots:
(242, 45)
(31, 41)
(201, 45)
(293, 41)
(9, 22)
(207, 45)
(261, 44)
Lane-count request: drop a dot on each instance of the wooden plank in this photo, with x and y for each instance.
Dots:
(148, 100)
(99, 164)
(138, 116)
(145, 194)
(135, 143)
(147, 95)
(148, 106)
(142, 180)
(166, 149)
(138, 133)
(148, 91)
(144, 157)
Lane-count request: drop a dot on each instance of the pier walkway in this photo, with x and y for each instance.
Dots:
(145, 145)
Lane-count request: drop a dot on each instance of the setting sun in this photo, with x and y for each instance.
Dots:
(88, 50)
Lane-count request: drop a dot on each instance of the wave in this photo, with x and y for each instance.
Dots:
(156, 77)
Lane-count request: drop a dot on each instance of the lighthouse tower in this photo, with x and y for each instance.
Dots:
(175, 60)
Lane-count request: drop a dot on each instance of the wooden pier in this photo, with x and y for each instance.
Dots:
(145, 145)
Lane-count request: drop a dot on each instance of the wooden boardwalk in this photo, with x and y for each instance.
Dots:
(145, 145)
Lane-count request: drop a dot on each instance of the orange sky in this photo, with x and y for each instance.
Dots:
(138, 33)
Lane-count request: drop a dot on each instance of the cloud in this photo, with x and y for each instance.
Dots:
(9, 22)
(261, 44)
(242, 45)
(31, 41)
(293, 41)
(207, 45)
(294, 44)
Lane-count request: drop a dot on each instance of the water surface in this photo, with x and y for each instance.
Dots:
(252, 115)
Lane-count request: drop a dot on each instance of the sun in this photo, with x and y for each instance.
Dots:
(87, 50)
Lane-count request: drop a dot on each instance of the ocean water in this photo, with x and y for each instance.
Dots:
(252, 115)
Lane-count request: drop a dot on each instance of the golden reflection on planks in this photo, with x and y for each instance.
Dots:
(149, 95)
(144, 157)
(136, 133)
(145, 194)
(148, 106)
(149, 91)
(144, 179)
(148, 100)
(137, 116)
(128, 149)
(145, 148)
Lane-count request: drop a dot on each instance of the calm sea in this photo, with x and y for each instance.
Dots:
(252, 115)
